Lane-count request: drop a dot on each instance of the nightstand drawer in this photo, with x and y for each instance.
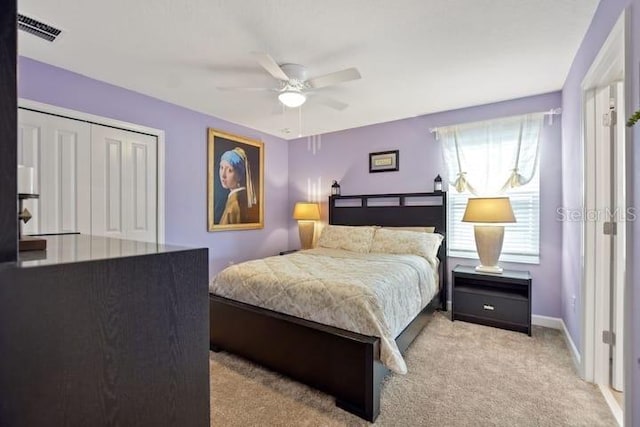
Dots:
(490, 305)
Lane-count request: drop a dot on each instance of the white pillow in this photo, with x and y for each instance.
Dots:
(389, 241)
(354, 239)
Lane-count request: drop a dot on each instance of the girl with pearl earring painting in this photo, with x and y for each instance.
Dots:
(235, 175)
(236, 204)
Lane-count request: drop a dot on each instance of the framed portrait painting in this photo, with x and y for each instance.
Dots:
(235, 182)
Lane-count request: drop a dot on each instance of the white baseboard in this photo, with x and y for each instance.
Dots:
(557, 323)
(546, 321)
(577, 361)
(614, 406)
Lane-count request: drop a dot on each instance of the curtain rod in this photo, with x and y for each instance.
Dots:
(552, 112)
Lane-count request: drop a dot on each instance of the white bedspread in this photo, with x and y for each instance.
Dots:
(371, 294)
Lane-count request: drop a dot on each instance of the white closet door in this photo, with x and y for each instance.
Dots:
(59, 150)
(124, 184)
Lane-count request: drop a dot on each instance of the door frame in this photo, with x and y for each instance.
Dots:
(41, 107)
(612, 60)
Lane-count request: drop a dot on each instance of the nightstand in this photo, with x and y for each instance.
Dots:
(288, 252)
(499, 300)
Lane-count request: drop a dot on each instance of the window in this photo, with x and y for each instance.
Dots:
(491, 158)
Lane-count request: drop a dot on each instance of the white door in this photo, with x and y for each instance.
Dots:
(619, 242)
(601, 218)
(124, 184)
(607, 215)
(59, 151)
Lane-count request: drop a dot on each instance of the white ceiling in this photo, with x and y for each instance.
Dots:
(415, 56)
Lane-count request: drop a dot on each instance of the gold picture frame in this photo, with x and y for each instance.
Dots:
(235, 182)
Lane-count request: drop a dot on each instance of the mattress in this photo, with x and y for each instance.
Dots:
(371, 294)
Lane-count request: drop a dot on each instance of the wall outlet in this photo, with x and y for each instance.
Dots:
(573, 303)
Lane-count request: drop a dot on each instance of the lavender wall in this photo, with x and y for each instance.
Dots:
(186, 154)
(605, 18)
(344, 156)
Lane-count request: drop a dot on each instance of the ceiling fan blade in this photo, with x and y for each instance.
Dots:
(330, 102)
(269, 64)
(334, 78)
(245, 89)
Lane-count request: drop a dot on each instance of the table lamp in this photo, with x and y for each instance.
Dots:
(306, 214)
(488, 214)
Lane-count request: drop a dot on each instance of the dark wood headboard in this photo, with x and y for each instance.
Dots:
(397, 210)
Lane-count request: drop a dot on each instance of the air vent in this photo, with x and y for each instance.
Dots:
(37, 28)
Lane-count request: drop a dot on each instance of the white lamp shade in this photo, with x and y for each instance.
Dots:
(486, 210)
(306, 211)
(292, 98)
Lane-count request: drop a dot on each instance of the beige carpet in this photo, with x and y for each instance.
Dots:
(460, 374)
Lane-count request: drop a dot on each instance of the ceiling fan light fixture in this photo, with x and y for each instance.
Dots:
(292, 98)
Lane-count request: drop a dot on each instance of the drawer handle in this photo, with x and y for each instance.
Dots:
(488, 307)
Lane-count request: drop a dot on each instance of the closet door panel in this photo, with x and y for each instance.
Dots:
(113, 183)
(106, 184)
(142, 223)
(59, 151)
(124, 203)
(67, 181)
(140, 187)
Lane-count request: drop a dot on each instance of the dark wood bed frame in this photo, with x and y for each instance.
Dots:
(339, 362)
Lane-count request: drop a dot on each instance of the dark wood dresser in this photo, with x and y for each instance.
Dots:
(105, 332)
(499, 300)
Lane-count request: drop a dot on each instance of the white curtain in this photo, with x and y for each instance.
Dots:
(488, 158)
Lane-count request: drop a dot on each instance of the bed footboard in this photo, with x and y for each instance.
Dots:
(342, 363)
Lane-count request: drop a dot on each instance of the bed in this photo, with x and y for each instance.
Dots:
(340, 362)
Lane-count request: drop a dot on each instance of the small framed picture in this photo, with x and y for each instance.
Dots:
(384, 161)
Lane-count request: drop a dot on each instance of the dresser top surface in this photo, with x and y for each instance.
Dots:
(507, 274)
(72, 248)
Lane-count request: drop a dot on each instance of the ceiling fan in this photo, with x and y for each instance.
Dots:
(295, 85)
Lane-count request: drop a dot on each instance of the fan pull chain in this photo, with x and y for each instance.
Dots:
(300, 121)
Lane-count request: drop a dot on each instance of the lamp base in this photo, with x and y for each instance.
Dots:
(305, 230)
(489, 269)
(489, 245)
